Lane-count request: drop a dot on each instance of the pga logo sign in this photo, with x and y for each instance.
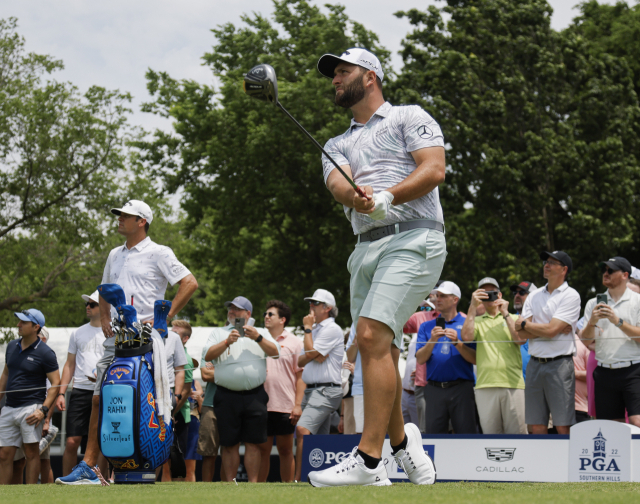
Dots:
(317, 457)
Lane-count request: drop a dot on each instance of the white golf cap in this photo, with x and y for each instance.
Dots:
(135, 207)
(356, 56)
(324, 296)
(449, 288)
(489, 281)
(95, 297)
(635, 273)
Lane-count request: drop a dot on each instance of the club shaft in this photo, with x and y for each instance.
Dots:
(315, 142)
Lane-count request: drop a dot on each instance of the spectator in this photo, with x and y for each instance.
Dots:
(580, 363)
(520, 293)
(634, 280)
(322, 363)
(285, 388)
(208, 434)
(499, 385)
(357, 391)
(449, 390)
(85, 350)
(240, 401)
(548, 320)
(409, 409)
(347, 423)
(614, 327)
(29, 363)
(411, 327)
(195, 405)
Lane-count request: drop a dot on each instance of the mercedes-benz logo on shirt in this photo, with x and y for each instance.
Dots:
(424, 131)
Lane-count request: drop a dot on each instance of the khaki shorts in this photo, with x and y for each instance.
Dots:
(14, 430)
(208, 435)
(390, 277)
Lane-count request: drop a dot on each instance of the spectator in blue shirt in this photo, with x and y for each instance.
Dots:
(449, 391)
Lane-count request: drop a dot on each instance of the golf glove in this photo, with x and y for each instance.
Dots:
(383, 203)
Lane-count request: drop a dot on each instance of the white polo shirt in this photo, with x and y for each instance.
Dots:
(612, 345)
(86, 344)
(562, 304)
(242, 366)
(143, 272)
(379, 154)
(328, 339)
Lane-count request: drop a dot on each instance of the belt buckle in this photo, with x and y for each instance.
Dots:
(543, 360)
(443, 384)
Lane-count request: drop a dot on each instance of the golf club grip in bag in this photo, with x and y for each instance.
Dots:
(132, 436)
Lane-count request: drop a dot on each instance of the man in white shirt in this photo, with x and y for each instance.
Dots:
(614, 327)
(143, 269)
(322, 363)
(548, 320)
(85, 350)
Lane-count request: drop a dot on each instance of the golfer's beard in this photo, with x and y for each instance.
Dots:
(351, 94)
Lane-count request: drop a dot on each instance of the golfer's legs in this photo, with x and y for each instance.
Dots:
(396, 421)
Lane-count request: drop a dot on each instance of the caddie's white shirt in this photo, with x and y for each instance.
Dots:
(175, 355)
(612, 345)
(143, 272)
(562, 304)
(86, 344)
(242, 366)
(328, 339)
(379, 154)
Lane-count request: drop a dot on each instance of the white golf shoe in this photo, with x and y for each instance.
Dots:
(413, 460)
(351, 471)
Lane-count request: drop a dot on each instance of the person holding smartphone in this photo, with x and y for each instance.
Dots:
(450, 380)
(613, 320)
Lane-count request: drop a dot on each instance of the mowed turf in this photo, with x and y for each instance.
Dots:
(282, 493)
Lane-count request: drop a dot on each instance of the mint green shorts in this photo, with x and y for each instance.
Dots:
(392, 276)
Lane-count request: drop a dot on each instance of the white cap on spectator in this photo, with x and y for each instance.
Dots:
(324, 296)
(489, 281)
(95, 297)
(449, 288)
(635, 273)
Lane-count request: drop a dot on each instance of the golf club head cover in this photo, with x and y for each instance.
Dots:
(160, 311)
(112, 294)
(129, 314)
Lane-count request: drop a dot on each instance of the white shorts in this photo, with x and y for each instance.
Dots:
(358, 412)
(14, 430)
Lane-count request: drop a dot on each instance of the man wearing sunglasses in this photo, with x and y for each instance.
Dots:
(614, 326)
(549, 319)
(85, 350)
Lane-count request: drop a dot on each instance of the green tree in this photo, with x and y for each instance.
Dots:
(261, 221)
(542, 139)
(63, 164)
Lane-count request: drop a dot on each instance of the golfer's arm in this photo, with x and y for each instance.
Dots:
(3, 381)
(429, 174)
(186, 287)
(341, 189)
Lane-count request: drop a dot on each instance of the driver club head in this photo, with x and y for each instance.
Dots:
(260, 82)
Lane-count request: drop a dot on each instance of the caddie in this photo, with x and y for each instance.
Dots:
(143, 269)
(396, 155)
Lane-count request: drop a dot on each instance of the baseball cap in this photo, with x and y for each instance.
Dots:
(240, 302)
(449, 288)
(525, 286)
(135, 207)
(618, 263)
(44, 333)
(95, 297)
(489, 281)
(559, 255)
(31, 315)
(356, 56)
(324, 296)
(635, 273)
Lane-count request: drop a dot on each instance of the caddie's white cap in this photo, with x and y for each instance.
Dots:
(324, 296)
(356, 56)
(135, 207)
(449, 288)
(95, 297)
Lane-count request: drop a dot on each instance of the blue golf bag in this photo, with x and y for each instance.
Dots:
(132, 435)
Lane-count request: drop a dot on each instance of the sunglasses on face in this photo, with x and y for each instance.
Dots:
(606, 269)
(269, 314)
(520, 293)
(91, 304)
(315, 303)
(552, 263)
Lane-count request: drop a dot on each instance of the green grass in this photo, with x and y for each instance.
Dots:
(279, 493)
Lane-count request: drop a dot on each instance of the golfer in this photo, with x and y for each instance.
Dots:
(396, 155)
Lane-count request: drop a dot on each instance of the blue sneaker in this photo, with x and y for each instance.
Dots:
(81, 474)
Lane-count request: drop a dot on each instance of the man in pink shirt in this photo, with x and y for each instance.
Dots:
(286, 390)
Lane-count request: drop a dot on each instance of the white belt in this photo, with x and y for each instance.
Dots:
(617, 365)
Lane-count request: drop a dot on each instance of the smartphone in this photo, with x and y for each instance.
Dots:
(440, 322)
(601, 299)
(493, 296)
(240, 326)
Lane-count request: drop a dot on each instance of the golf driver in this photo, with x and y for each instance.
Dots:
(260, 82)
